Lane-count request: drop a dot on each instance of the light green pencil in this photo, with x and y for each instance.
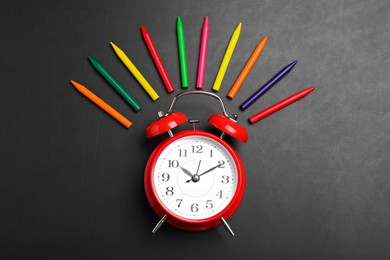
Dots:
(226, 58)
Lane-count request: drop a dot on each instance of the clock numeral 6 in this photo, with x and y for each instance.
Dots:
(194, 207)
(173, 163)
(169, 191)
(225, 179)
(209, 205)
(165, 176)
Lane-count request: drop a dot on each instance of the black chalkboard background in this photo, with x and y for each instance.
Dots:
(71, 181)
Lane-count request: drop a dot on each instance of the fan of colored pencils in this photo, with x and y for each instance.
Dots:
(184, 74)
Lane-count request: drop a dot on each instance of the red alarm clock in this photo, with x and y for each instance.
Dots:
(194, 180)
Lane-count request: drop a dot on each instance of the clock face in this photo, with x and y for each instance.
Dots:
(195, 177)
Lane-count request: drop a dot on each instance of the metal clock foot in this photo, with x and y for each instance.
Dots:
(160, 223)
(227, 226)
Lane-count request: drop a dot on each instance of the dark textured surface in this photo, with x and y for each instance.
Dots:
(71, 181)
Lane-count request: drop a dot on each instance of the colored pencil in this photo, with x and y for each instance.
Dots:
(133, 69)
(203, 53)
(156, 59)
(247, 68)
(226, 58)
(281, 104)
(103, 105)
(182, 53)
(112, 81)
(267, 86)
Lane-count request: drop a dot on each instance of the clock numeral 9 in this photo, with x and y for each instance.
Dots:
(197, 149)
(165, 176)
(194, 207)
(225, 179)
(169, 191)
(209, 205)
(173, 163)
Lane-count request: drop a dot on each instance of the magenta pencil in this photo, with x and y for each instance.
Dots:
(203, 53)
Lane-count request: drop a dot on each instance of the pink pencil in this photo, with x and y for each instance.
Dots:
(203, 53)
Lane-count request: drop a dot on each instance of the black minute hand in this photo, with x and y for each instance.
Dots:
(209, 170)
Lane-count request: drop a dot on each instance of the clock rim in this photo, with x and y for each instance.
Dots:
(186, 223)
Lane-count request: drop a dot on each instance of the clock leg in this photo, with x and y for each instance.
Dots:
(226, 225)
(160, 223)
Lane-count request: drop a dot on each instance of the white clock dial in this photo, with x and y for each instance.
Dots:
(195, 177)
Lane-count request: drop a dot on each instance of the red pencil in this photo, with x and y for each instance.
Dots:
(281, 104)
(157, 60)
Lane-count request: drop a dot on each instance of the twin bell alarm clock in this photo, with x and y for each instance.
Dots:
(194, 180)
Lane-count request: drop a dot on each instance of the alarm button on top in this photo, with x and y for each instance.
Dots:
(229, 127)
(165, 123)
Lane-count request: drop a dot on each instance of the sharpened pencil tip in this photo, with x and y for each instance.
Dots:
(143, 30)
(75, 84)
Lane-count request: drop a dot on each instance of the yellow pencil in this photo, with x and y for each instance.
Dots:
(144, 83)
(226, 58)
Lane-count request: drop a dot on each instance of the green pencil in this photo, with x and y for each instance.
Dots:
(182, 53)
(110, 79)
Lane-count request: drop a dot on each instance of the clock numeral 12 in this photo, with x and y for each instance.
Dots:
(197, 149)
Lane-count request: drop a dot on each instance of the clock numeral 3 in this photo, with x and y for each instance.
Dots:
(225, 179)
(169, 191)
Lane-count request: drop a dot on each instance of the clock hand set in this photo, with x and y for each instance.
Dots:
(196, 177)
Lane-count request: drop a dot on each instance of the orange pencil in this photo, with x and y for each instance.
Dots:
(248, 66)
(103, 105)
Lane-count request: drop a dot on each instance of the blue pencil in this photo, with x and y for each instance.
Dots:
(267, 86)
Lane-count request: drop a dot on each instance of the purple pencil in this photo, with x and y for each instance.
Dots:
(267, 86)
